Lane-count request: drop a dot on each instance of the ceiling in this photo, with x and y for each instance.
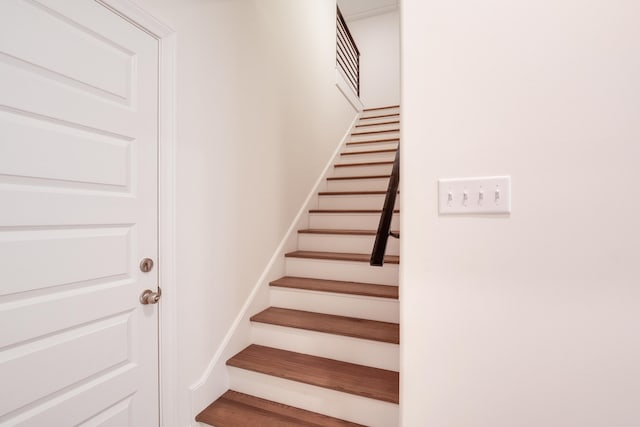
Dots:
(358, 9)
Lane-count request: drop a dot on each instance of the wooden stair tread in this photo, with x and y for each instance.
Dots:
(331, 324)
(366, 381)
(379, 124)
(235, 409)
(344, 165)
(350, 232)
(372, 141)
(340, 256)
(352, 193)
(337, 178)
(354, 211)
(370, 132)
(381, 108)
(355, 153)
(379, 116)
(337, 286)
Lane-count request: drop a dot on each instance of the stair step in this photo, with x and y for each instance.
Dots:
(381, 108)
(370, 145)
(374, 132)
(337, 286)
(353, 201)
(373, 127)
(376, 354)
(342, 178)
(341, 232)
(352, 193)
(331, 324)
(234, 409)
(374, 383)
(345, 406)
(342, 240)
(373, 141)
(340, 298)
(344, 165)
(379, 123)
(368, 138)
(344, 219)
(337, 256)
(358, 184)
(349, 211)
(387, 155)
(362, 169)
(346, 266)
(355, 153)
(393, 120)
(380, 115)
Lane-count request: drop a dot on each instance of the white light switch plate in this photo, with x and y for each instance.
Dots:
(487, 195)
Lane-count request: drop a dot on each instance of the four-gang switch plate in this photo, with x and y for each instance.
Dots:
(486, 195)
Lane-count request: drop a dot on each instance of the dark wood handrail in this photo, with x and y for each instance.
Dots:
(384, 226)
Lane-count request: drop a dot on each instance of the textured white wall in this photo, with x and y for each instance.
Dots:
(378, 39)
(530, 320)
(258, 117)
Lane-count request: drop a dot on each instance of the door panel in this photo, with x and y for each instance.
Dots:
(36, 149)
(45, 258)
(58, 37)
(78, 211)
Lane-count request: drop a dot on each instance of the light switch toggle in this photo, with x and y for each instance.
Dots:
(473, 195)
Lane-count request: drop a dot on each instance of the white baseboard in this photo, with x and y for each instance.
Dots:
(214, 381)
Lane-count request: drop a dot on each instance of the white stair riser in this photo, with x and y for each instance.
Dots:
(350, 221)
(361, 136)
(362, 307)
(376, 127)
(370, 184)
(353, 350)
(343, 243)
(342, 270)
(373, 201)
(336, 404)
(376, 124)
(376, 145)
(392, 110)
(367, 157)
(363, 170)
(364, 121)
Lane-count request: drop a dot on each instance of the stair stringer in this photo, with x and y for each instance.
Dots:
(215, 380)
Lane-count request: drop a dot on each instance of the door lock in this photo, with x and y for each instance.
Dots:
(150, 297)
(146, 265)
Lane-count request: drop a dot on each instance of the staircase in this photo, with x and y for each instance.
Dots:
(326, 353)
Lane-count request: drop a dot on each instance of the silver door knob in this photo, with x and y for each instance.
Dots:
(150, 297)
(146, 265)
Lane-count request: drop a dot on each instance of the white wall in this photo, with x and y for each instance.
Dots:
(529, 320)
(258, 116)
(378, 39)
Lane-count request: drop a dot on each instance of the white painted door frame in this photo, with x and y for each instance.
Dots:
(166, 201)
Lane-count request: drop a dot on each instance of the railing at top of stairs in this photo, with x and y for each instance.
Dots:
(347, 53)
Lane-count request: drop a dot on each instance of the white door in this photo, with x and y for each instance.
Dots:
(78, 211)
